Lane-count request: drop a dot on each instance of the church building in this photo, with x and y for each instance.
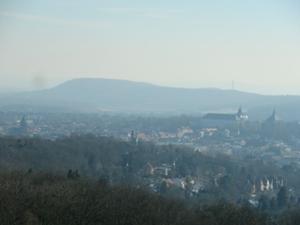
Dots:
(219, 120)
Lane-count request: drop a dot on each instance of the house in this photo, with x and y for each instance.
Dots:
(148, 170)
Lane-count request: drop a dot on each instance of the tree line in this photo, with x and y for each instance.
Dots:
(47, 199)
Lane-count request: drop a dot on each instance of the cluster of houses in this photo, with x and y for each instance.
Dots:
(163, 175)
(156, 177)
(266, 184)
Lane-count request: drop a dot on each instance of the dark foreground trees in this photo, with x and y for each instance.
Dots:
(44, 199)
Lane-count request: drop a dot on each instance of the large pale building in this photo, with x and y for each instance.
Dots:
(224, 119)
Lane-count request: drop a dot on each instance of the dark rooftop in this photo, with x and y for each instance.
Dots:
(220, 116)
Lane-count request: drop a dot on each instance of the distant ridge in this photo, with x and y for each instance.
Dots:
(97, 94)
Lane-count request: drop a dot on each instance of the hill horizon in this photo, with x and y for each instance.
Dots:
(112, 95)
(10, 89)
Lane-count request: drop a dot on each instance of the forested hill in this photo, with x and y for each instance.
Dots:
(45, 199)
(124, 162)
(96, 156)
(90, 95)
(45, 183)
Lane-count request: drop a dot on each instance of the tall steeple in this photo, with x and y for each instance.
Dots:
(273, 118)
(274, 114)
(23, 126)
(23, 123)
(241, 115)
(240, 111)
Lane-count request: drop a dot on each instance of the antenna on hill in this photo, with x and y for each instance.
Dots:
(232, 85)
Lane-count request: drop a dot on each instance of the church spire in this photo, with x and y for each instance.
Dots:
(273, 118)
(240, 111)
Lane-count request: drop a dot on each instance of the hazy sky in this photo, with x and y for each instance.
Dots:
(192, 43)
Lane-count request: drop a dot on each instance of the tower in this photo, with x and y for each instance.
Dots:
(133, 137)
(240, 111)
(23, 126)
(273, 118)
